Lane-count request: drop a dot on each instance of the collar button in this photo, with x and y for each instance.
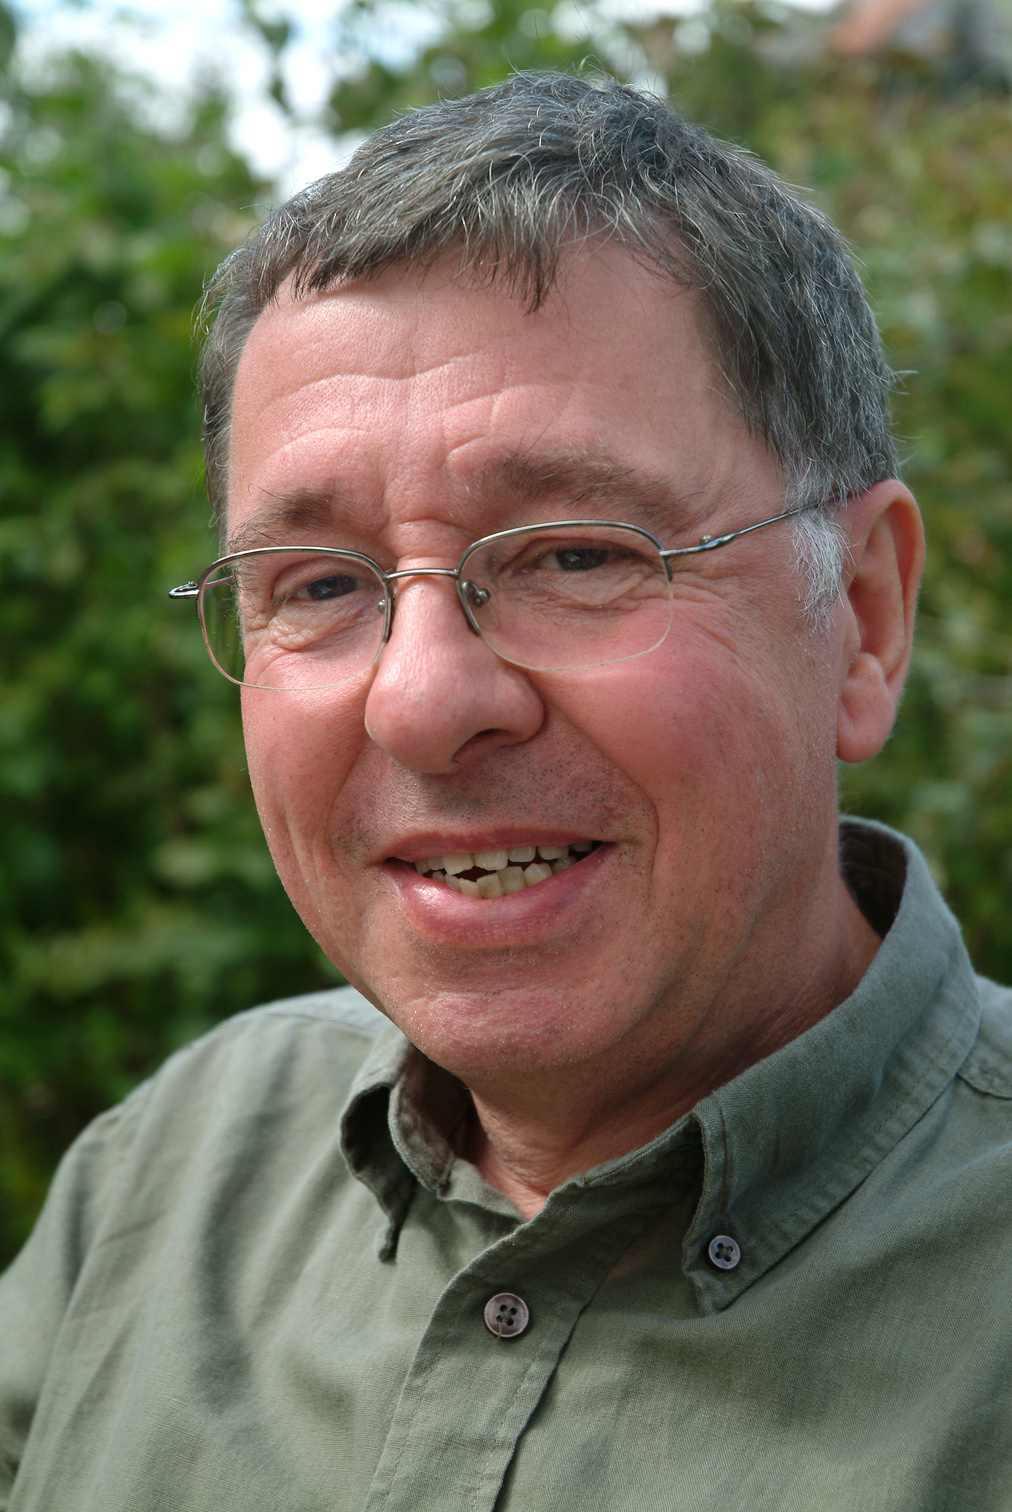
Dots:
(723, 1252)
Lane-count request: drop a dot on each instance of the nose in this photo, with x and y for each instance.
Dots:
(439, 697)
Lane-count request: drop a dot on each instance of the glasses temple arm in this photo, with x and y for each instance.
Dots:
(711, 543)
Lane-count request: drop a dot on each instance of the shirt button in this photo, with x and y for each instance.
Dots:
(506, 1315)
(724, 1252)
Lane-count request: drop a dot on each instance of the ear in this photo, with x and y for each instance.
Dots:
(879, 597)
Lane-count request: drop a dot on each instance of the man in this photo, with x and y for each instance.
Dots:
(565, 556)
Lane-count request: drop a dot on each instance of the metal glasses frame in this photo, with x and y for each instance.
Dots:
(469, 595)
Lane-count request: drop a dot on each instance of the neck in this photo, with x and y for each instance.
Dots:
(528, 1139)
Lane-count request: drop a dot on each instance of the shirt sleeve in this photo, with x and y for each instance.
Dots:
(35, 1291)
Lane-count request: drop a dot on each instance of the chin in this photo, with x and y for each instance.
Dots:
(477, 1036)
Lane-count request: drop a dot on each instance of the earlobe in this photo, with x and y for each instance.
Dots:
(883, 573)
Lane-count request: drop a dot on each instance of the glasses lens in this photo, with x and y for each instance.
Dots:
(565, 596)
(292, 619)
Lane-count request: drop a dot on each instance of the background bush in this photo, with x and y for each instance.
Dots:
(138, 904)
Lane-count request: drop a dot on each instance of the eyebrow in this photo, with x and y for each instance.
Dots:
(579, 478)
(283, 516)
(516, 481)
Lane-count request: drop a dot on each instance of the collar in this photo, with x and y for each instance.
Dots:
(784, 1143)
(790, 1138)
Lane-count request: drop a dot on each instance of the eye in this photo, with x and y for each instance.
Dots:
(328, 587)
(577, 558)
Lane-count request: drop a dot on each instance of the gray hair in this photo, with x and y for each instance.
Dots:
(513, 176)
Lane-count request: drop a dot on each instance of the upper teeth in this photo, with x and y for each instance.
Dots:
(508, 870)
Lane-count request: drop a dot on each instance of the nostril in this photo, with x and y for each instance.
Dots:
(481, 738)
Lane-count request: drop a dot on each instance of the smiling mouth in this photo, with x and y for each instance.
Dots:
(497, 873)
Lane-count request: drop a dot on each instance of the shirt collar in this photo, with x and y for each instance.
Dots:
(785, 1142)
(790, 1138)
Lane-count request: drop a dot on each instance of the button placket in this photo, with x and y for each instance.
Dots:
(465, 1403)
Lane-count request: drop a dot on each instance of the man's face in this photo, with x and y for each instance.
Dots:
(404, 418)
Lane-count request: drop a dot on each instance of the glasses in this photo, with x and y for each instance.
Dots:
(551, 598)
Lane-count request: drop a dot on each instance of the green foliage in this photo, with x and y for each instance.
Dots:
(925, 190)
(482, 43)
(137, 900)
(138, 903)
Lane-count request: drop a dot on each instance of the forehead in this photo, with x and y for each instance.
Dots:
(422, 382)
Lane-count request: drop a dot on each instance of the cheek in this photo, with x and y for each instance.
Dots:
(707, 734)
(300, 748)
(667, 720)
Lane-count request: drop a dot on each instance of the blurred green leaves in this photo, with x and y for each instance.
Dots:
(138, 903)
(137, 900)
(924, 188)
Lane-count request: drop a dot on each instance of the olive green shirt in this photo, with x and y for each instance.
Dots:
(260, 1282)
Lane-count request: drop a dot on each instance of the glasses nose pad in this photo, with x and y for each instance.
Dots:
(480, 602)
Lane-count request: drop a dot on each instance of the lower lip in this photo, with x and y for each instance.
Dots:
(448, 918)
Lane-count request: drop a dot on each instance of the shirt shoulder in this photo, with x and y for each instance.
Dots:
(286, 1066)
(340, 1025)
(988, 1067)
(292, 1063)
(227, 1124)
(342, 1008)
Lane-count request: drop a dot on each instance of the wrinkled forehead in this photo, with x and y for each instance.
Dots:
(409, 317)
(434, 370)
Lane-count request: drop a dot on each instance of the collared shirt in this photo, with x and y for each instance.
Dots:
(260, 1283)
